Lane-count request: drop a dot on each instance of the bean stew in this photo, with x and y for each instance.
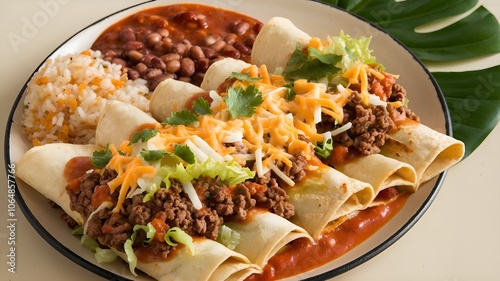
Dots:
(177, 41)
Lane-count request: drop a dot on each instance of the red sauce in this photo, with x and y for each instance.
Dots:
(303, 255)
(77, 167)
(101, 194)
(195, 97)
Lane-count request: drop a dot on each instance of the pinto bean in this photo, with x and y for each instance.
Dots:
(170, 56)
(218, 45)
(209, 53)
(241, 48)
(135, 56)
(187, 67)
(119, 61)
(241, 27)
(153, 38)
(230, 51)
(173, 66)
(152, 84)
(202, 65)
(230, 38)
(196, 53)
(156, 62)
(133, 45)
(133, 74)
(141, 67)
(127, 34)
(152, 73)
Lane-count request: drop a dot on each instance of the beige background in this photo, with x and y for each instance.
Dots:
(457, 239)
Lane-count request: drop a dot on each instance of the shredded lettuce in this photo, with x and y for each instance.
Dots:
(149, 229)
(89, 243)
(131, 257)
(101, 255)
(179, 236)
(104, 255)
(230, 172)
(129, 250)
(228, 237)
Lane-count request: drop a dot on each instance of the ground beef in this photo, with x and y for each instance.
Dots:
(296, 172)
(371, 125)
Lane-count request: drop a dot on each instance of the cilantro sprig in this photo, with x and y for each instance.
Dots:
(143, 135)
(180, 151)
(243, 102)
(312, 66)
(186, 117)
(324, 149)
(244, 77)
(101, 158)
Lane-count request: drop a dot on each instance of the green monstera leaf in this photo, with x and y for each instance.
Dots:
(473, 97)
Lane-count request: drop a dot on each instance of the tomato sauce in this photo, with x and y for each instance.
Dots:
(77, 167)
(302, 255)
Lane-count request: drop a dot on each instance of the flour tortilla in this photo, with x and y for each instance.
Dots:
(381, 172)
(264, 235)
(210, 261)
(428, 151)
(326, 195)
(171, 96)
(42, 167)
(119, 122)
(219, 71)
(275, 43)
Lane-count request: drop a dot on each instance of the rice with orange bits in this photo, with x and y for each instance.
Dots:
(65, 98)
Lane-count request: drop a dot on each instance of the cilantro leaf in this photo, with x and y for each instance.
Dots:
(184, 117)
(201, 106)
(101, 158)
(324, 58)
(185, 153)
(142, 135)
(152, 155)
(311, 66)
(290, 95)
(244, 77)
(242, 102)
(324, 149)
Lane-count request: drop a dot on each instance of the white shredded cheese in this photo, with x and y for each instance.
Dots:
(105, 204)
(205, 148)
(375, 100)
(193, 196)
(258, 162)
(282, 175)
(200, 156)
(342, 129)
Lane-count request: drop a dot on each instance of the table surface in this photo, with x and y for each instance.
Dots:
(457, 239)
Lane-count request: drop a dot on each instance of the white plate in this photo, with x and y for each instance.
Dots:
(320, 20)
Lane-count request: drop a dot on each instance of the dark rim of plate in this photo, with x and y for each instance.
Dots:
(323, 276)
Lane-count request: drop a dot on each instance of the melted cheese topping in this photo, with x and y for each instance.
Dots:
(278, 130)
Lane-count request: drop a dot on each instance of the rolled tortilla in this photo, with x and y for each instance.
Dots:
(326, 195)
(264, 235)
(428, 151)
(210, 257)
(42, 167)
(219, 71)
(381, 172)
(171, 96)
(210, 261)
(275, 43)
(119, 122)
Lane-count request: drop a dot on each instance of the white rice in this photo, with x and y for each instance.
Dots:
(65, 98)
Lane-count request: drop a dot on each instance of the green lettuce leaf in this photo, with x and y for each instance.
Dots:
(475, 35)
